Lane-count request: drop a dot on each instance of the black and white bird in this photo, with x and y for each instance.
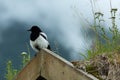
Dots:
(38, 39)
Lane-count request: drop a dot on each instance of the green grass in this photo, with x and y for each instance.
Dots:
(104, 43)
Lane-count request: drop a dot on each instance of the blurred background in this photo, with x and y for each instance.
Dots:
(66, 23)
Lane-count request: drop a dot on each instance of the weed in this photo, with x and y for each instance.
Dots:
(11, 72)
(103, 43)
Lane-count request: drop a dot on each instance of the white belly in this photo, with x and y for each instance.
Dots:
(40, 42)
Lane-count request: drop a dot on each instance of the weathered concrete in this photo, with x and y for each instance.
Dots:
(52, 67)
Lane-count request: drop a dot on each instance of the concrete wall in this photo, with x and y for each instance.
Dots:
(52, 67)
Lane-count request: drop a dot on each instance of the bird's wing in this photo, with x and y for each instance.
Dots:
(42, 42)
(43, 35)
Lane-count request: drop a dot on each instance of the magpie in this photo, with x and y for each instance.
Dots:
(38, 39)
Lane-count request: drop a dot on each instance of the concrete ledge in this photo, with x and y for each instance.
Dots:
(52, 67)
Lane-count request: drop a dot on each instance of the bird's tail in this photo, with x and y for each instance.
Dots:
(49, 47)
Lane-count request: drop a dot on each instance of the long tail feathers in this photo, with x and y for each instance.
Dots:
(49, 47)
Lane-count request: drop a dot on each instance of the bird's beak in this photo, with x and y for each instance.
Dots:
(29, 30)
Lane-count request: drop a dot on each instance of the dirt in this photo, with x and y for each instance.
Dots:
(105, 66)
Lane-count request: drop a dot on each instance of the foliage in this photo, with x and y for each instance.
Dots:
(25, 58)
(103, 42)
(11, 72)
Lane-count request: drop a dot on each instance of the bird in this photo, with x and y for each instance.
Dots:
(38, 39)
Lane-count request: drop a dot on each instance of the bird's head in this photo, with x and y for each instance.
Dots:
(35, 29)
